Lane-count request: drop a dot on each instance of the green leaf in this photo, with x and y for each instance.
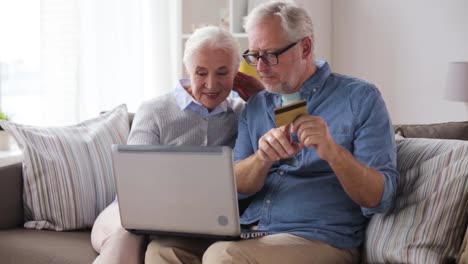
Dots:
(3, 116)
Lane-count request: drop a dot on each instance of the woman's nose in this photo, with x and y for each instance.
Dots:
(210, 83)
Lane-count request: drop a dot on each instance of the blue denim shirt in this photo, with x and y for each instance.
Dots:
(306, 198)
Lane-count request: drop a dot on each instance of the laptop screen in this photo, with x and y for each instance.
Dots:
(176, 189)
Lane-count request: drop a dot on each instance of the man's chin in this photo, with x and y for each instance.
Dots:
(273, 88)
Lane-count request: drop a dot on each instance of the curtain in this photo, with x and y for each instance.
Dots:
(125, 53)
(67, 60)
(59, 56)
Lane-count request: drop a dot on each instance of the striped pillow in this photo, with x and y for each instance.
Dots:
(67, 171)
(430, 215)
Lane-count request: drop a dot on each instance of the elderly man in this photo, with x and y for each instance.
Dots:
(315, 182)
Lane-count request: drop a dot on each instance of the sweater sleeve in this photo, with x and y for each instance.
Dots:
(144, 128)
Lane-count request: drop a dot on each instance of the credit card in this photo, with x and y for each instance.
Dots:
(287, 114)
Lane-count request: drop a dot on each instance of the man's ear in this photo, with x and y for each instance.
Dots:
(307, 45)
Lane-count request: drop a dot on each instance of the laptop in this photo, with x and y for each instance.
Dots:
(178, 191)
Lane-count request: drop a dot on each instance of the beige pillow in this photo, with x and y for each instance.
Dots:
(67, 171)
(429, 220)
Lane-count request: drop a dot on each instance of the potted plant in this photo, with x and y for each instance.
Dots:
(3, 116)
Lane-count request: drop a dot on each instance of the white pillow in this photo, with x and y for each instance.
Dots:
(67, 171)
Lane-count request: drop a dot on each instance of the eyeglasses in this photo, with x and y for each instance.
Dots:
(269, 58)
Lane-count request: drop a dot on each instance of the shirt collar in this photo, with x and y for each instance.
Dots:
(183, 98)
(187, 102)
(317, 80)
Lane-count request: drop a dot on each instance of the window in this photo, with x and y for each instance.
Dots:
(63, 61)
(38, 60)
(19, 57)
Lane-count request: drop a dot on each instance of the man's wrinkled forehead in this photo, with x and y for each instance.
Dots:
(262, 45)
(267, 35)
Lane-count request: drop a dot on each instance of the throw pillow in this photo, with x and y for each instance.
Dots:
(429, 218)
(67, 171)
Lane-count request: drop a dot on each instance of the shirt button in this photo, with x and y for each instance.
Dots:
(281, 173)
(206, 118)
(314, 90)
(268, 201)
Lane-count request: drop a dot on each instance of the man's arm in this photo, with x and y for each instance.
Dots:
(364, 185)
(251, 174)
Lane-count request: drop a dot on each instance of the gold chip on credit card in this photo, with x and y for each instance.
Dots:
(287, 114)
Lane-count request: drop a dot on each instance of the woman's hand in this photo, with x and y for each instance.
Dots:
(246, 85)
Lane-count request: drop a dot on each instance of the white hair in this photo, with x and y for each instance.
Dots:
(213, 37)
(296, 21)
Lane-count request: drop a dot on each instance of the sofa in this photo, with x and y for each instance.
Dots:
(20, 245)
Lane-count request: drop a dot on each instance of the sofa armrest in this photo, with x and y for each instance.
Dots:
(11, 190)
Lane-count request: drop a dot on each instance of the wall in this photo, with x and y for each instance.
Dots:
(321, 13)
(404, 48)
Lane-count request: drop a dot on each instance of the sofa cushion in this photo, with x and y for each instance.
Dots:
(42, 246)
(67, 171)
(450, 130)
(429, 219)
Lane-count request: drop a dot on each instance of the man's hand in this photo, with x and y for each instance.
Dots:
(312, 131)
(276, 144)
(252, 172)
(246, 85)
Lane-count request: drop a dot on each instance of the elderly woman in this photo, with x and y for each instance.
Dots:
(197, 112)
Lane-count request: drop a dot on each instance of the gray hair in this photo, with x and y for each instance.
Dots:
(296, 21)
(213, 37)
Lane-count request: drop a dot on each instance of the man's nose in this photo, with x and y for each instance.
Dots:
(261, 66)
